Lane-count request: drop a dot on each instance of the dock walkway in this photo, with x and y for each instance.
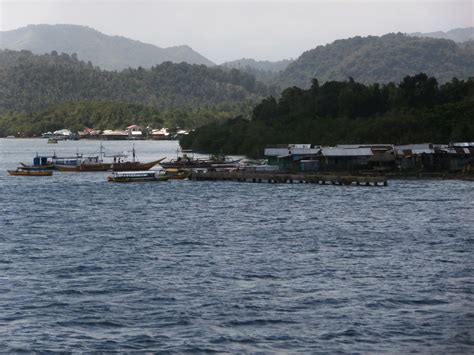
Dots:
(275, 177)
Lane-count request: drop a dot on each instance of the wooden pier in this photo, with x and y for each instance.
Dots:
(290, 178)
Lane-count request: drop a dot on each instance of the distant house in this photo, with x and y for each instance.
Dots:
(180, 133)
(90, 133)
(345, 159)
(135, 132)
(307, 157)
(293, 157)
(160, 134)
(114, 135)
(425, 157)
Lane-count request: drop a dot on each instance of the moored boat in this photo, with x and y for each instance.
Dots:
(96, 163)
(137, 176)
(21, 172)
(134, 165)
(177, 174)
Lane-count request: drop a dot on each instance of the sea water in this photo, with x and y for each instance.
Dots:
(181, 266)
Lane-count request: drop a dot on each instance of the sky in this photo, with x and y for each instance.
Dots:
(226, 30)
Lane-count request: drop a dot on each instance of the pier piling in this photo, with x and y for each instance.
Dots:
(290, 178)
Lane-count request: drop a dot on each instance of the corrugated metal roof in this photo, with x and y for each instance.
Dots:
(275, 152)
(305, 151)
(463, 144)
(341, 152)
(352, 146)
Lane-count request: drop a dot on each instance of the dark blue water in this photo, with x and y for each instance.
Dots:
(88, 265)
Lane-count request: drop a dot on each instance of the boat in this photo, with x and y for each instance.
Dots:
(52, 141)
(96, 163)
(21, 172)
(177, 174)
(187, 162)
(134, 165)
(137, 176)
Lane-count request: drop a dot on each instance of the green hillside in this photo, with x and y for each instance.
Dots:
(341, 112)
(35, 82)
(381, 60)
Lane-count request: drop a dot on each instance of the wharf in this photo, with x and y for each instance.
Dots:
(302, 178)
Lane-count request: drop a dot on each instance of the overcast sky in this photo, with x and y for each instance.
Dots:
(226, 30)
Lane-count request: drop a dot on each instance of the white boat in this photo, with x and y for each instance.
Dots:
(132, 176)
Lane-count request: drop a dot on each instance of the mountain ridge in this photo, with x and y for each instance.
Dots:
(107, 52)
(456, 34)
(381, 59)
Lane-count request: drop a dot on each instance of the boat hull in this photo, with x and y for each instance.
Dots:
(134, 166)
(84, 167)
(125, 166)
(141, 179)
(36, 167)
(29, 173)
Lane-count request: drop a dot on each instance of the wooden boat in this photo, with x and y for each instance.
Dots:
(84, 167)
(137, 176)
(91, 164)
(47, 166)
(98, 166)
(177, 174)
(187, 162)
(135, 165)
(21, 172)
(43, 162)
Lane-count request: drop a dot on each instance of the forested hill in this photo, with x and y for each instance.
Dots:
(29, 83)
(383, 59)
(258, 64)
(342, 112)
(108, 52)
(456, 35)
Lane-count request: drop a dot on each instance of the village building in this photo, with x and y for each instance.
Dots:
(135, 132)
(114, 134)
(379, 158)
(90, 133)
(160, 134)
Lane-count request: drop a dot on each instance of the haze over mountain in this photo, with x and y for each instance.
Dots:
(266, 65)
(457, 35)
(380, 60)
(107, 52)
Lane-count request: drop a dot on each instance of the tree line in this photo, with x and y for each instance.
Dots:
(417, 109)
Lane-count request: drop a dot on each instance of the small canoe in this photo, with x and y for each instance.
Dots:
(19, 172)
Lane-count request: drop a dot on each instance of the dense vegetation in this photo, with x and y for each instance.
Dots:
(58, 90)
(108, 115)
(107, 52)
(415, 110)
(34, 82)
(381, 60)
(38, 88)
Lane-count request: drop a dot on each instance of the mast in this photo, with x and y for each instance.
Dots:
(101, 151)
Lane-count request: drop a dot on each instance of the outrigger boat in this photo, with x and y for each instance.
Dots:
(137, 176)
(96, 163)
(21, 172)
(48, 162)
